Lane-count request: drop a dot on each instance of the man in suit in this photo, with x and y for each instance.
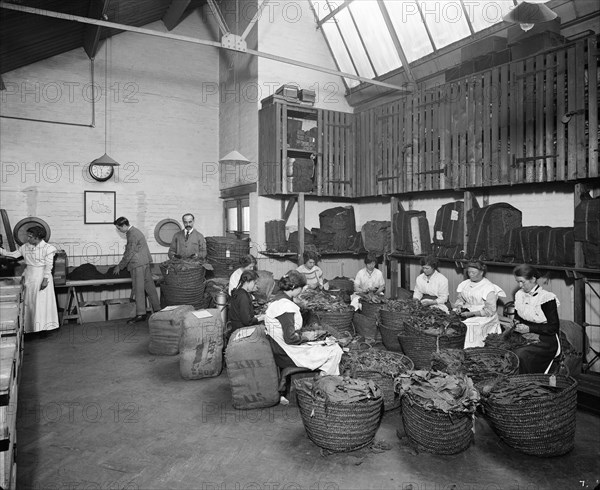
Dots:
(188, 243)
(137, 259)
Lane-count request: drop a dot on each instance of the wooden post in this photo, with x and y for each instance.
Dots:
(393, 262)
(470, 203)
(301, 221)
(578, 283)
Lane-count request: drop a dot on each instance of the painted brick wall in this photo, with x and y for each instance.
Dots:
(161, 129)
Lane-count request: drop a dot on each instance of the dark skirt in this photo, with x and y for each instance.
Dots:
(535, 358)
(281, 358)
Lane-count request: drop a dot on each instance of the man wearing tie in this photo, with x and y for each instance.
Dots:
(188, 243)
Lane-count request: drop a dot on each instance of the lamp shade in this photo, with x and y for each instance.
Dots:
(105, 160)
(234, 156)
(530, 13)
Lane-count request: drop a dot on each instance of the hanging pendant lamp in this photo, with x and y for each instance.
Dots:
(530, 12)
(105, 159)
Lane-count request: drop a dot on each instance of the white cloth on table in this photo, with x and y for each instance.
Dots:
(434, 285)
(326, 358)
(40, 306)
(472, 295)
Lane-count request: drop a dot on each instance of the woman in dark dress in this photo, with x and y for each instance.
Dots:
(241, 310)
(536, 312)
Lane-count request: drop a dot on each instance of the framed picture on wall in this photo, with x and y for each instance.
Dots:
(99, 207)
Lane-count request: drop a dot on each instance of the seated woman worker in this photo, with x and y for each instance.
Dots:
(241, 310)
(283, 322)
(431, 287)
(536, 312)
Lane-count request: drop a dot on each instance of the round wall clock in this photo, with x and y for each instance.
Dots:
(101, 172)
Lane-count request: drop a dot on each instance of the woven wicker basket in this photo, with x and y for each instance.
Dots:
(371, 309)
(336, 322)
(434, 431)
(393, 319)
(420, 347)
(366, 326)
(339, 427)
(174, 295)
(184, 278)
(391, 399)
(343, 284)
(541, 426)
(482, 353)
(389, 336)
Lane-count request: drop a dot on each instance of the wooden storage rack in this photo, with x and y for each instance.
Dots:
(11, 359)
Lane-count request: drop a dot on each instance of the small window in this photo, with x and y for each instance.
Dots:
(237, 217)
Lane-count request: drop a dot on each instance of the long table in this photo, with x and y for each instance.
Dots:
(72, 307)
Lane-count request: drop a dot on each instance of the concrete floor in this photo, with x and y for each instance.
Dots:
(97, 411)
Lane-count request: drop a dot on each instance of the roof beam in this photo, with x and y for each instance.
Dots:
(219, 17)
(91, 34)
(174, 13)
(254, 20)
(396, 41)
(193, 40)
(334, 12)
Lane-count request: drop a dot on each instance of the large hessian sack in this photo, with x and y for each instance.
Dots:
(165, 330)
(201, 346)
(587, 221)
(488, 229)
(448, 229)
(561, 246)
(376, 236)
(341, 222)
(527, 244)
(411, 232)
(253, 374)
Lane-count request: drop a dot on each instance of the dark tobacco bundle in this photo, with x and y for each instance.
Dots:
(508, 340)
(178, 265)
(507, 391)
(335, 389)
(389, 363)
(432, 321)
(435, 390)
(451, 361)
(319, 300)
(372, 298)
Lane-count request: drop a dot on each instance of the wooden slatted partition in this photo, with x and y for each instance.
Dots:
(502, 126)
(337, 152)
(269, 150)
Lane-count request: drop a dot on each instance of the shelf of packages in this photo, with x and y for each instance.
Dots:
(567, 269)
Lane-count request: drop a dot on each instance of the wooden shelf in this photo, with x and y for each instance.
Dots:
(581, 270)
(286, 255)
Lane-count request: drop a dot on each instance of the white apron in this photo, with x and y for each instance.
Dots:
(40, 306)
(474, 295)
(314, 355)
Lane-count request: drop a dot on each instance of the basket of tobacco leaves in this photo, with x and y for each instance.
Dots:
(365, 326)
(425, 335)
(479, 363)
(532, 413)
(183, 282)
(382, 367)
(371, 304)
(437, 410)
(339, 414)
(329, 310)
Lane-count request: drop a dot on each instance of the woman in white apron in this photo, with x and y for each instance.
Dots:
(477, 303)
(536, 312)
(40, 302)
(431, 286)
(283, 322)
